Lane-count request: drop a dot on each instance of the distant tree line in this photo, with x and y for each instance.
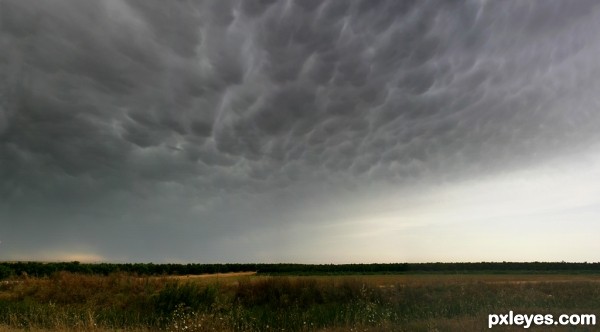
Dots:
(39, 269)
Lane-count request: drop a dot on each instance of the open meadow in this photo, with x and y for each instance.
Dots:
(68, 301)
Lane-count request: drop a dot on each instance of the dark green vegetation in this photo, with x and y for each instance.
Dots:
(38, 269)
(429, 302)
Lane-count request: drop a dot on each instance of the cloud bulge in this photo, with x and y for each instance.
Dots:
(317, 131)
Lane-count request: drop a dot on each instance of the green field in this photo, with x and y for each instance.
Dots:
(68, 301)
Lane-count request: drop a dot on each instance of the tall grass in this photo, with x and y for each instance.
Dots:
(69, 301)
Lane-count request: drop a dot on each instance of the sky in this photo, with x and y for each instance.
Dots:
(306, 131)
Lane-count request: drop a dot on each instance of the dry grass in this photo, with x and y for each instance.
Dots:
(249, 302)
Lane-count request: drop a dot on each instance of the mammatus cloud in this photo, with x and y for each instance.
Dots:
(237, 130)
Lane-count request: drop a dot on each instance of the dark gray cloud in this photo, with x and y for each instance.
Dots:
(126, 126)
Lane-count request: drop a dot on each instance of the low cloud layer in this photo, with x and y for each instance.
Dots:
(141, 130)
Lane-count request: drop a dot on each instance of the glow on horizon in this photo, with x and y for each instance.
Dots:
(546, 213)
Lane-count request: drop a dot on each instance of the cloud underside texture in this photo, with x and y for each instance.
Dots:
(146, 130)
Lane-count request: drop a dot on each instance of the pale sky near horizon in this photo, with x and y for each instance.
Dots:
(308, 131)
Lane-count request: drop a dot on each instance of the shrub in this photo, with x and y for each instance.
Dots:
(188, 295)
(5, 272)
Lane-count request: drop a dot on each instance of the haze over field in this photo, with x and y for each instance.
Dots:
(310, 131)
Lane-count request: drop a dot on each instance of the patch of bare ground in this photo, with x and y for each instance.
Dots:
(210, 275)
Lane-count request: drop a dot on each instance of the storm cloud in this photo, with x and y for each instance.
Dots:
(247, 130)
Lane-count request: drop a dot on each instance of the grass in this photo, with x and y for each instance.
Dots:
(74, 302)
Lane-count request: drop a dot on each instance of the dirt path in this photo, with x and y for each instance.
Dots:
(211, 275)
